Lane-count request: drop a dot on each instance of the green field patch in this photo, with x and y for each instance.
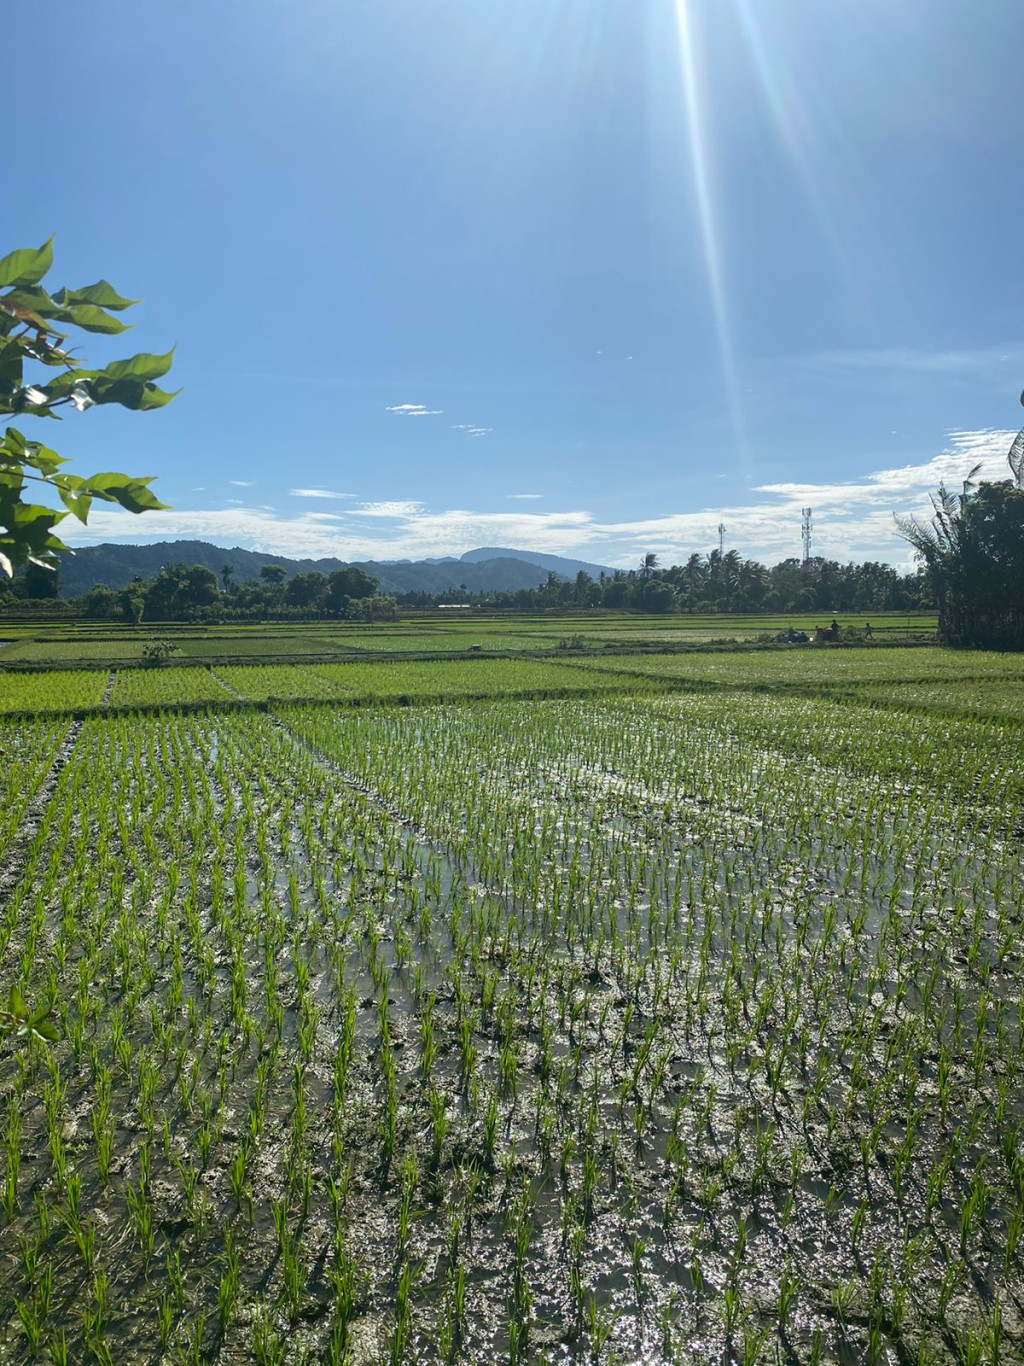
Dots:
(67, 690)
(812, 665)
(164, 685)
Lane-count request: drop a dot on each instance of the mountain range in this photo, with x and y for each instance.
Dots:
(477, 571)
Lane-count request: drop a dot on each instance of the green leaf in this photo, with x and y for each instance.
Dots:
(6, 565)
(14, 442)
(133, 494)
(12, 364)
(138, 395)
(154, 397)
(102, 293)
(33, 298)
(24, 315)
(90, 318)
(33, 401)
(63, 385)
(41, 458)
(26, 266)
(44, 1030)
(143, 366)
(16, 1004)
(70, 488)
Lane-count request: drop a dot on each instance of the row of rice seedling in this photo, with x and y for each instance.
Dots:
(69, 690)
(259, 682)
(407, 679)
(176, 685)
(265, 642)
(999, 698)
(887, 889)
(170, 686)
(680, 1029)
(80, 647)
(454, 679)
(827, 667)
(28, 751)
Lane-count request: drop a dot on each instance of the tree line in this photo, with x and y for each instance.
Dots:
(972, 550)
(703, 584)
(193, 593)
(712, 583)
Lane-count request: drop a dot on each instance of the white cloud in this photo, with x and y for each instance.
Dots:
(390, 510)
(853, 520)
(987, 448)
(524, 495)
(471, 430)
(926, 361)
(414, 410)
(318, 493)
(243, 483)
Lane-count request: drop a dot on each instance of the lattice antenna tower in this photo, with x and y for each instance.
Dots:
(806, 530)
(721, 539)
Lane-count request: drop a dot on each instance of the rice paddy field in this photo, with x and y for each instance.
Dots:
(436, 633)
(649, 1008)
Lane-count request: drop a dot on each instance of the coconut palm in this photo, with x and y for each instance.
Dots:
(973, 551)
(1016, 456)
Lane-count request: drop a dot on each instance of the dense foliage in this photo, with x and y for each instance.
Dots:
(182, 592)
(715, 583)
(973, 550)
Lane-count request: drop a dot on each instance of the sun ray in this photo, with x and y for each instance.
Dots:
(699, 164)
(792, 122)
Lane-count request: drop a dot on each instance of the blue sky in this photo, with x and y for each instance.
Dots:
(583, 276)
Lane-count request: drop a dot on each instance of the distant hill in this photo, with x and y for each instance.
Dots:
(478, 571)
(568, 569)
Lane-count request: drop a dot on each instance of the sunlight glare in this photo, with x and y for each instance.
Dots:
(791, 118)
(706, 213)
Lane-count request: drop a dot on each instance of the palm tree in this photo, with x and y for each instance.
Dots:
(225, 576)
(648, 565)
(1016, 456)
(943, 544)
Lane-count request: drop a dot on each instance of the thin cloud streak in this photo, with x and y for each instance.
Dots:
(318, 493)
(949, 362)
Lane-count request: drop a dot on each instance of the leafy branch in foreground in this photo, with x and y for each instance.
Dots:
(31, 323)
(25, 1021)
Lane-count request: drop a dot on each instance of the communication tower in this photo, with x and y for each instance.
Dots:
(807, 527)
(721, 539)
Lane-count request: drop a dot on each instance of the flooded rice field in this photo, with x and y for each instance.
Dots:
(670, 1029)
